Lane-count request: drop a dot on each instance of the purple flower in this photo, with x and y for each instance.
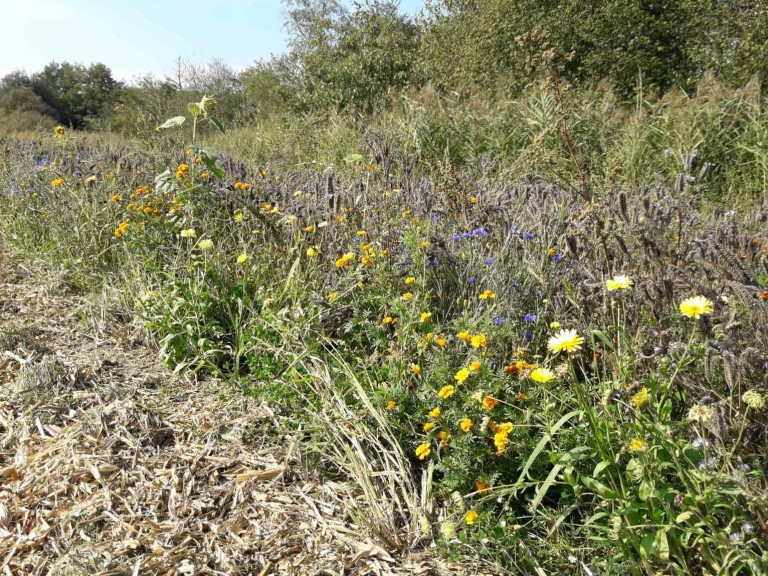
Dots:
(471, 280)
(498, 320)
(516, 286)
(530, 317)
(432, 263)
(513, 229)
(528, 235)
(489, 261)
(539, 294)
(557, 259)
(479, 233)
(455, 237)
(528, 336)
(466, 235)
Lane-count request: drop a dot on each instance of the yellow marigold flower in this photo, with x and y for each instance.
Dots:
(487, 295)
(332, 297)
(205, 244)
(479, 341)
(489, 402)
(642, 398)
(500, 440)
(406, 213)
(116, 198)
(423, 450)
(344, 260)
(57, 182)
(620, 282)
(367, 261)
(473, 200)
(466, 425)
(637, 445)
(415, 369)
(470, 517)
(425, 317)
(464, 336)
(429, 426)
(198, 159)
(366, 247)
(59, 130)
(475, 366)
(483, 488)
(542, 375)
(204, 175)
(407, 296)
(435, 412)
(313, 251)
(461, 375)
(391, 405)
(446, 391)
(309, 229)
(551, 251)
(243, 258)
(568, 340)
(387, 320)
(410, 280)
(696, 306)
(188, 233)
(441, 341)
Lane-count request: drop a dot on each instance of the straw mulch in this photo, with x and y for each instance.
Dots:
(109, 466)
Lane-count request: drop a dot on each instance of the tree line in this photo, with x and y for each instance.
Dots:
(353, 59)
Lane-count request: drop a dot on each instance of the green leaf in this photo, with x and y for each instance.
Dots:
(602, 336)
(218, 124)
(598, 487)
(352, 158)
(661, 546)
(210, 162)
(545, 486)
(174, 122)
(600, 467)
(644, 492)
(194, 109)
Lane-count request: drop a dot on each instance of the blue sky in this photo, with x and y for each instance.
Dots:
(139, 36)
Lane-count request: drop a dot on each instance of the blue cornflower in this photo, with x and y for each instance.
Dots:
(528, 336)
(432, 263)
(539, 294)
(455, 237)
(435, 218)
(479, 233)
(528, 235)
(489, 261)
(558, 258)
(77, 173)
(499, 320)
(466, 235)
(471, 280)
(513, 229)
(530, 317)
(516, 286)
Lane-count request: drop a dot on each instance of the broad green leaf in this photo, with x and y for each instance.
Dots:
(218, 124)
(598, 487)
(661, 545)
(174, 122)
(602, 336)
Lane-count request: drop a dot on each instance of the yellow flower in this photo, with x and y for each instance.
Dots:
(387, 320)
(309, 229)
(204, 175)
(441, 341)
(461, 375)
(57, 182)
(464, 336)
(424, 244)
(332, 297)
(470, 517)
(59, 131)
(391, 405)
(243, 258)
(188, 233)
(422, 451)
(500, 440)
(406, 213)
(312, 251)
(476, 365)
(116, 198)
(205, 244)
(542, 375)
(410, 280)
(554, 325)
(487, 295)
(429, 426)
(466, 425)
(568, 340)
(696, 306)
(641, 398)
(473, 200)
(479, 341)
(238, 217)
(637, 445)
(415, 369)
(435, 412)
(361, 232)
(425, 317)
(620, 282)
(489, 402)
(344, 260)
(446, 391)
(366, 247)
(407, 296)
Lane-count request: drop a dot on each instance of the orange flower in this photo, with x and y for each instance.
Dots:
(489, 402)
(391, 405)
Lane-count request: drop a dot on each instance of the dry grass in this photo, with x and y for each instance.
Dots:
(110, 467)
